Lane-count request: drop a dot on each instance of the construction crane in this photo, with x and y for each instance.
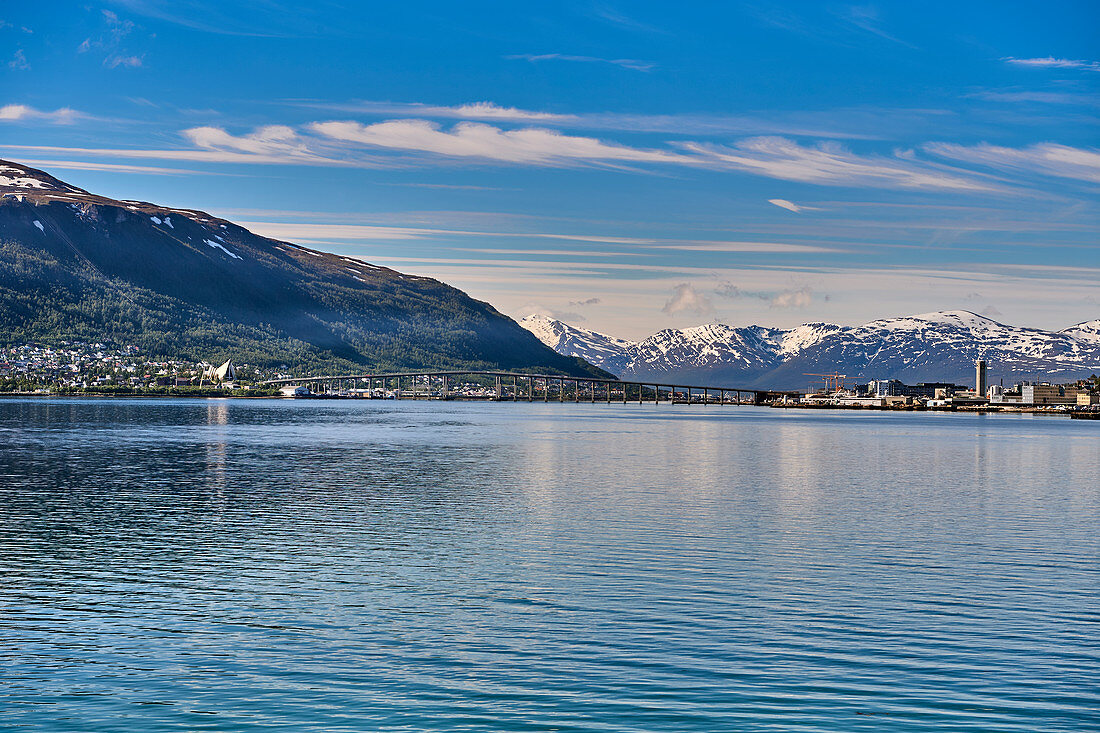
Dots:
(833, 382)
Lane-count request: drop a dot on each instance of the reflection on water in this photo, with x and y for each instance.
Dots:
(236, 565)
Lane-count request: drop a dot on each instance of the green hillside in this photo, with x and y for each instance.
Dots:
(185, 285)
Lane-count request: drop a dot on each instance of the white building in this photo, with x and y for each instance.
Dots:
(224, 373)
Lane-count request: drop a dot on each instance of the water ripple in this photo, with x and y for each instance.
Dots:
(186, 565)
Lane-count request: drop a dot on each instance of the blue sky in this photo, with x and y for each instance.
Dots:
(624, 166)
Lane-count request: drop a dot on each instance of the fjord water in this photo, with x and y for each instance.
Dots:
(234, 565)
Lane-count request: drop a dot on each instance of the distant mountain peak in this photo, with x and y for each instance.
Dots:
(964, 318)
(573, 341)
(1086, 331)
(936, 346)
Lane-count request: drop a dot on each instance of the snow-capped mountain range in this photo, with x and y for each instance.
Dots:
(930, 347)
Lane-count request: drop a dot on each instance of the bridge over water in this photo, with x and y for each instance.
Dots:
(522, 386)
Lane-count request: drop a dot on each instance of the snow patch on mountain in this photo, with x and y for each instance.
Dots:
(234, 255)
(802, 337)
(28, 178)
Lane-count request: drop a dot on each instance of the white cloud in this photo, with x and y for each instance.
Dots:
(490, 111)
(20, 112)
(827, 124)
(265, 140)
(1051, 62)
(1049, 159)
(791, 298)
(479, 140)
(830, 164)
(269, 144)
(785, 204)
(686, 299)
(798, 298)
(533, 309)
(469, 111)
(791, 206)
(114, 61)
(633, 64)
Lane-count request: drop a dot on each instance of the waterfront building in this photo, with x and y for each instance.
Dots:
(1048, 394)
(224, 373)
(980, 377)
(886, 387)
(930, 390)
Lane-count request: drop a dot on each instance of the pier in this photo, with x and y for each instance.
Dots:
(523, 387)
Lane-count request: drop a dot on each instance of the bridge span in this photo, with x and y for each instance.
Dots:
(523, 386)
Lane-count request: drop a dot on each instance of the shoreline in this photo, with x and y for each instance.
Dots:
(983, 410)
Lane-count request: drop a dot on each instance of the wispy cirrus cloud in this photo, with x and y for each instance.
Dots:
(1039, 97)
(841, 25)
(1050, 62)
(84, 165)
(1049, 159)
(110, 42)
(404, 143)
(621, 20)
(830, 164)
(323, 232)
(632, 64)
(186, 154)
(867, 18)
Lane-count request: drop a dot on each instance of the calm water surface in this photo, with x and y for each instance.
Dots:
(219, 565)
